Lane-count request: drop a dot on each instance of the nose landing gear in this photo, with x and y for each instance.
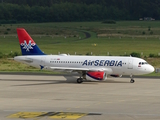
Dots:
(132, 80)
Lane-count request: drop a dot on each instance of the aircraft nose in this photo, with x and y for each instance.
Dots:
(151, 68)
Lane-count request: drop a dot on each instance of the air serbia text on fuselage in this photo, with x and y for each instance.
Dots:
(102, 63)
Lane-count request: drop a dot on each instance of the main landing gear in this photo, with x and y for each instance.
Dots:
(80, 80)
(82, 77)
(132, 80)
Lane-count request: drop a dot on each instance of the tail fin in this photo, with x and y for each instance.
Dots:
(28, 46)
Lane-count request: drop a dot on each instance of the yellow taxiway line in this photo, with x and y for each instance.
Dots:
(54, 115)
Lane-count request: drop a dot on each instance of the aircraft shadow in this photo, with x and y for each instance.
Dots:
(69, 80)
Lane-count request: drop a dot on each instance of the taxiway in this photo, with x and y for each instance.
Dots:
(47, 97)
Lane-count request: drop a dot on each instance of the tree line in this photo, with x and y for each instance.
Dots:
(77, 10)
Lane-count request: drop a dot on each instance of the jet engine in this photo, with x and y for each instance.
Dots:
(96, 76)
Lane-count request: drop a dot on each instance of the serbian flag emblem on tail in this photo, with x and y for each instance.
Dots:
(28, 46)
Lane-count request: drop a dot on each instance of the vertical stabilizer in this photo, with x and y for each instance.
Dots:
(27, 44)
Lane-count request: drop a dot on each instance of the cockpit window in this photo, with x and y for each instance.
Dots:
(143, 63)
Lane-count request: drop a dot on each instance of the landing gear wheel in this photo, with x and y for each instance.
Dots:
(79, 80)
(132, 81)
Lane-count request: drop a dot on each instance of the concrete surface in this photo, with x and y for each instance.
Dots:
(41, 97)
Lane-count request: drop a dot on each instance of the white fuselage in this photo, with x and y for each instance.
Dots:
(110, 64)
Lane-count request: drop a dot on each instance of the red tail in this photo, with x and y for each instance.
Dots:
(24, 36)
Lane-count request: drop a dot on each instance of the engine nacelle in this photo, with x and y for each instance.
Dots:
(96, 76)
(112, 75)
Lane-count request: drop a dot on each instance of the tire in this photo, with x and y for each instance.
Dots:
(79, 80)
(132, 81)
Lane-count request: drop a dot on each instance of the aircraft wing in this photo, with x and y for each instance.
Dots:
(82, 69)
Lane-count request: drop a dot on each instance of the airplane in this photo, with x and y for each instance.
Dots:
(93, 68)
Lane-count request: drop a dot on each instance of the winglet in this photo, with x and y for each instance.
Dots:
(27, 44)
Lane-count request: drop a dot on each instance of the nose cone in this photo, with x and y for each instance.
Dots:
(151, 69)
